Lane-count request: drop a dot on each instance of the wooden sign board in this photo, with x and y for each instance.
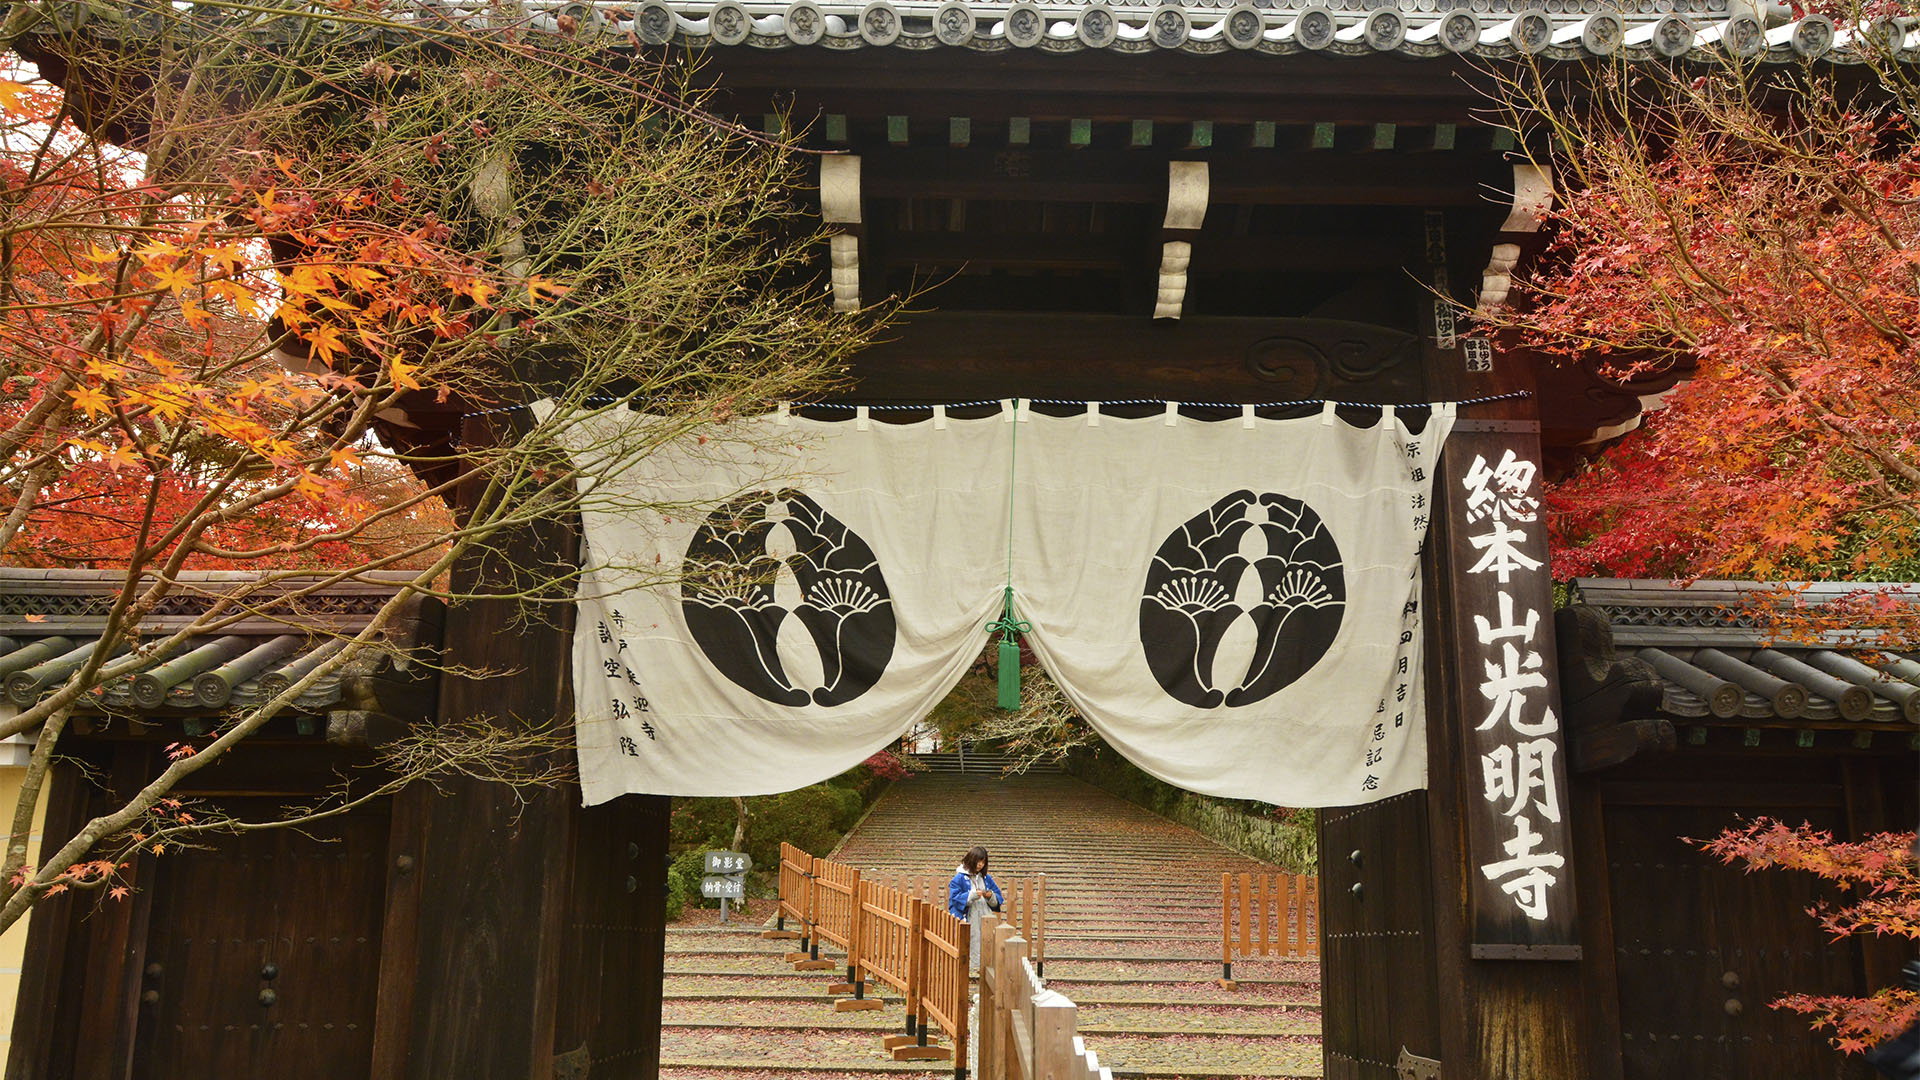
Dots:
(726, 888)
(728, 862)
(1520, 853)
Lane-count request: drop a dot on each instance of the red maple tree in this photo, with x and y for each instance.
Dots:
(244, 273)
(1755, 229)
(1879, 874)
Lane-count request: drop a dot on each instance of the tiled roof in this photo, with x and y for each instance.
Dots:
(50, 621)
(1556, 29)
(1715, 661)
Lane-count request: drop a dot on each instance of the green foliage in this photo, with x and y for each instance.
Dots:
(679, 890)
(685, 874)
(961, 713)
(813, 818)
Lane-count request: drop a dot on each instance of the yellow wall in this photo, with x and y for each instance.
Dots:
(14, 942)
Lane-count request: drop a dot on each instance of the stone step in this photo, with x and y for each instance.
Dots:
(1132, 938)
(1219, 1002)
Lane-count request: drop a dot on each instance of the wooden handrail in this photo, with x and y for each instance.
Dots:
(1027, 1032)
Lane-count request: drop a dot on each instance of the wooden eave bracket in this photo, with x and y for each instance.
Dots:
(1608, 699)
(1187, 185)
(1532, 198)
(840, 205)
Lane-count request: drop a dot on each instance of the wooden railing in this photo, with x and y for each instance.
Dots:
(1026, 908)
(1027, 1032)
(836, 902)
(795, 868)
(946, 980)
(896, 932)
(1288, 905)
(1026, 902)
(889, 920)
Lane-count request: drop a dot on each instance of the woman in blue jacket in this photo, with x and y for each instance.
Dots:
(972, 893)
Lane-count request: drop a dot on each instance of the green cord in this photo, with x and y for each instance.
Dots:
(1006, 622)
(1007, 625)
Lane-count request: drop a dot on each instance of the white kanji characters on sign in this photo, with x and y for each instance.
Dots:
(1506, 685)
(1501, 492)
(1525, 874)
(1522, 775)
(1489, 633)
(1503, 555)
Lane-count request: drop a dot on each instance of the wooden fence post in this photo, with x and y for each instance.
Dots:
(1007, 994)
(1261, 885)
(989, 1002)
(857, 945)
(1053, 1023)
(808, 947)
(1040, 929)
(1226, 933)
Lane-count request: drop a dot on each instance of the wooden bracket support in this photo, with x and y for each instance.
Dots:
(840, 205)
(1187, 185)
(922, 1053)
(858, 1005)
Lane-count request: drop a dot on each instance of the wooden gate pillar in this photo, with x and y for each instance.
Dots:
(537, 944)
(1508, 946)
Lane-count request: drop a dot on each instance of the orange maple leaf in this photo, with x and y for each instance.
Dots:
(11, 94)
(537, 286)
(403, 374)
(325, 342)
(89, 399)
(174, 278)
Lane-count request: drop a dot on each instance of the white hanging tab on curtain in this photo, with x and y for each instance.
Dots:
(1173, 413)
(1023, 409)
(939, 418)
(783, 414)
(1247, 417)
(862, 420)
(1093, 414)
(1007, 410)
(1386, 414)
(1327, 415)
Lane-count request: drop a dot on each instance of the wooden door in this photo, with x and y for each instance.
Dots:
(262, 954)
(1376, 940)
(1702, 949)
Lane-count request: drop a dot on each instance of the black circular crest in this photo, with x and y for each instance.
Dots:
(775, 582)
(1242, 600)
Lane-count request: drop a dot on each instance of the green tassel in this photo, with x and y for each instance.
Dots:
(1009, 673)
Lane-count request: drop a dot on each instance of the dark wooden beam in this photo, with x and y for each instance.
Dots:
(1213, 254)
(1166, 86)
(1095, 175)
(939, 357)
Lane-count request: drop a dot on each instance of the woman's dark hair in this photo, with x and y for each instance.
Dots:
(974, 861)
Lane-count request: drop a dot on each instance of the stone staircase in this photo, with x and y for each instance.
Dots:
(1133, 938)
(977, 762)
